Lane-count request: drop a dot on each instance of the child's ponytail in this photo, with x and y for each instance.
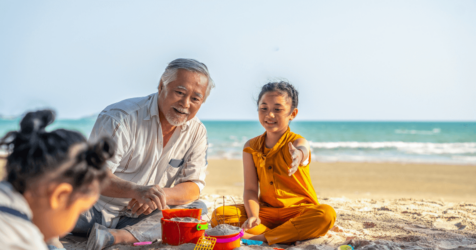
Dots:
(34, 152)
(90, 164)
(97, 154)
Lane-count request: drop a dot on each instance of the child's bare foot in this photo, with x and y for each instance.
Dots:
(259, 237)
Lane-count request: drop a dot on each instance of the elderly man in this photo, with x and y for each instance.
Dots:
(160, 161)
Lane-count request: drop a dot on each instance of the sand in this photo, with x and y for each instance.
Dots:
(404, 223)
(185, 219)
(223, 229)
(379, 205)
(453, 183)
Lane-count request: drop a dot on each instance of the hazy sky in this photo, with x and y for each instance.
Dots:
(350, 60)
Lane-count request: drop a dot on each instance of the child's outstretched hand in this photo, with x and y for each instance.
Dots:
(250, 223)
(297, 156)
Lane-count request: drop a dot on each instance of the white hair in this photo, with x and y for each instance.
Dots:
(170, 72)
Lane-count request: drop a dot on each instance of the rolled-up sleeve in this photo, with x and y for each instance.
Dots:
(107, 126)
(196, 163)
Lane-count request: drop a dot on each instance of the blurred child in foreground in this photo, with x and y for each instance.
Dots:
(51, 178)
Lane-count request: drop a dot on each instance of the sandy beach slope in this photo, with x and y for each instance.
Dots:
(379, 205)
(453, 183)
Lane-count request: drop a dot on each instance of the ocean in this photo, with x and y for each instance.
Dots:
(405, 142)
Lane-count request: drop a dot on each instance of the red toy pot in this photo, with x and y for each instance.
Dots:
(176, 233)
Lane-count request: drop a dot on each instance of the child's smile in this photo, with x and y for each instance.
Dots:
(270, 123)
(275, 112)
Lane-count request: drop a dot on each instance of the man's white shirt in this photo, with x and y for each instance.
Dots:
(140, 156)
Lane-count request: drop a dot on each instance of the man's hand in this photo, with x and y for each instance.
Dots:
(297, 156)
(137, 209)
(250, 223)
(147, 199)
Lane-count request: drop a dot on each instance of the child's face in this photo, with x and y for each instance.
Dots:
(275, 111)
(57, 214)
(68, 214)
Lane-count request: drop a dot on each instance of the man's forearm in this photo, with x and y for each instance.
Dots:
(119, 188)
(182, 193)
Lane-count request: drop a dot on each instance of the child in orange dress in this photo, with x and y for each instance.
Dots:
(276, 164)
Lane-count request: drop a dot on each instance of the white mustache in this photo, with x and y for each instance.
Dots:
(181, 110)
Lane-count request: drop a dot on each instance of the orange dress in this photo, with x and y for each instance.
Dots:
(289, 209)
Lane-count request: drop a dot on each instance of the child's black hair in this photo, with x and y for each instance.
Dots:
(281, 87)
(34, 152)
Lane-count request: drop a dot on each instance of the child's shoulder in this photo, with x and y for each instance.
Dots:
(253, 142)
(293, 136)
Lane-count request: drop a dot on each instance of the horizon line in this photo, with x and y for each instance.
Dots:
(249, 120)
(343, 120)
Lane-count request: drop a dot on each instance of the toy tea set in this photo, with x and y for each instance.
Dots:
(180, 226)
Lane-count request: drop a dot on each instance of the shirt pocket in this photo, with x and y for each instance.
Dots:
(176, 163)
(174, 166)
(171, 172)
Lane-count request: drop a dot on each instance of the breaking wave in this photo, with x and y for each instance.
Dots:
(408, 147)
(418, 132)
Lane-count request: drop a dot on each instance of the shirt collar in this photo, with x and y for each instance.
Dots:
(278, 145)
(154, 111)
(186, 125)
(154, 106)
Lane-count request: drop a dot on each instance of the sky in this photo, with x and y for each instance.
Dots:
(349, 60)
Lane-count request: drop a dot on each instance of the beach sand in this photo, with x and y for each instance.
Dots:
(378, 205)
(452, 183)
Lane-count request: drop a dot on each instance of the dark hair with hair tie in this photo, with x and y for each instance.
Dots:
(33, 152)
(283, 88)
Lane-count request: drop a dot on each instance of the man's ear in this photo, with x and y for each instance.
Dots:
(161, 85)
(293, 114)
(60, 195)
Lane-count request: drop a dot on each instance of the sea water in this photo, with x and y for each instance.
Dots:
(416, 142)
(412, 142)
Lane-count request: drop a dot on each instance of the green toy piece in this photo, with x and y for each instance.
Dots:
(202, 227)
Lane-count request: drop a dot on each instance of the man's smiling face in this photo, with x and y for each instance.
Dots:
(181, 99)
